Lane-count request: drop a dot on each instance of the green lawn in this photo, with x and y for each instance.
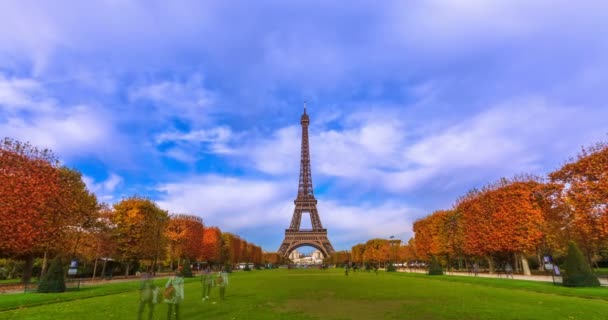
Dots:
(328, 294)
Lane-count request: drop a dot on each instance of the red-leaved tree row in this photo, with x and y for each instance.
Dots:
(513, 219)
(46, 210)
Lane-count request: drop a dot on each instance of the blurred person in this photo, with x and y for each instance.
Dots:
(207, 283)
(174, 294)
(222, 283)
(148, 295)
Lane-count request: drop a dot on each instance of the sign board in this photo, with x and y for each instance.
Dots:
(74, 264)
(72, 271)
(556, 270)
(548, 266)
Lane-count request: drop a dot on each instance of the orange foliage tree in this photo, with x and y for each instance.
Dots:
(271, 257)
(357, 253)
(503, 219)
(340, 257)
(584, 190)
(211, 245)
(28, 185)
(377, 251)
(185, 235)
(138, 232)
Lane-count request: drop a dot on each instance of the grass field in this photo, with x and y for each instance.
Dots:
(328, 294)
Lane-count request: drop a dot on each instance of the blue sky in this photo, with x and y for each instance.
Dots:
(412, 103)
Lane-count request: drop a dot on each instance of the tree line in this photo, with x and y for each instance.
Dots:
(524, 218)
(46, 211)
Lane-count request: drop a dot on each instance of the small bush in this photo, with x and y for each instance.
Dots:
(435, 267)
(54, 279)
(577, 272)
(391, 268)
(186, 270)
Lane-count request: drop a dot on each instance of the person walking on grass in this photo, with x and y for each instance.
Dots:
(148, 293)
(222, 281)
(174, 294)
(207, 283)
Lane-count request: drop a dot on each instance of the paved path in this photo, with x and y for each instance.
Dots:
(18, 288)
(542, 278)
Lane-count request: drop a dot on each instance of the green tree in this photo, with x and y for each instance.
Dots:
(187, 270)
(435, 267)
(577, 272)
(54, 279)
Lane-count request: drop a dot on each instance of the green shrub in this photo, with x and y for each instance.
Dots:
(186, 270)
(54, 279)
(391, 268)
(577, 272)
(435, 267)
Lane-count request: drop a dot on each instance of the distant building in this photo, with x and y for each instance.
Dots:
(298, 258)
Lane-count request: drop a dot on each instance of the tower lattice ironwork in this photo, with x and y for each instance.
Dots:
(305, 202)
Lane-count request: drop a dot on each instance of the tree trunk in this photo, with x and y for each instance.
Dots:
(94, 268)
(103, 268)
(127, 270)
(525, 266)
(490, 264)
(541, 264)
(44, 262)
(27, 269)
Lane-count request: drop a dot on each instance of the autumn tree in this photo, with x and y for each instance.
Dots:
(271, 258)
(504, 219)
(138, 232)
(256, 254)
(28, 184)
(405, 253)
(428, 232)
(185, 235)
(340, 257)
(377, 251)
(584, 190)
(75, 212)
(211, 245)
(227, 252)
(357, 253)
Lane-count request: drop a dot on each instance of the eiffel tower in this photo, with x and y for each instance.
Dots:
(305, 202)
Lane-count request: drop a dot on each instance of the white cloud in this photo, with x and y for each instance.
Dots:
(380, 151)
(349, 224)
(217, 134)
(68, 130)
(103, 189)
(188, 99)
(236, 204)
(189, 145)
(229, 202)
